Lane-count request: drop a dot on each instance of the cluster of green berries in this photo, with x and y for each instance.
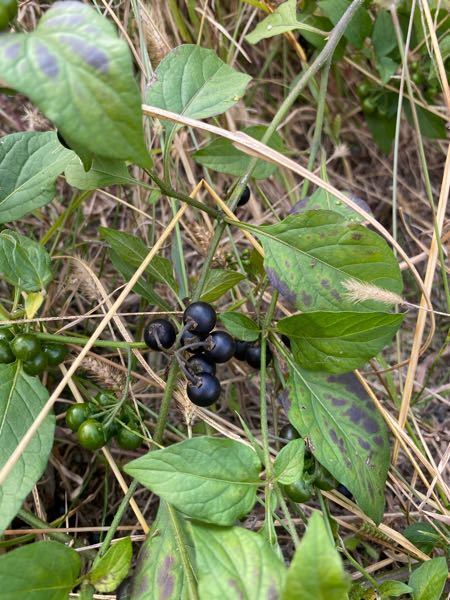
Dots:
(419, 75)
(89, 421)
(314, 475)
(26, 347)
(206, 348)
(8, 12)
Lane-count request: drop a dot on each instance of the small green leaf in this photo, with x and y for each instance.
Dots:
(210, 479)
(21, 399)
(423, 535)
(393, 589)
(79, 73)
(386, 68)
(338, 342)
(222, 156)
(23, 262)
(323, 200)
(288, 465)
(219, 282)
(283, 19)
(40, 571)
(360, 25)
(382, 130)
(316, 571)
(346, 433)
(194, 82)
(160, 570)
(430, 124)
(33, 302)
(104, 172)
(428, 580)
(310, 256)
(113, 567)
(29, 165)
(240, 326)
(235, 563)
(383, 36)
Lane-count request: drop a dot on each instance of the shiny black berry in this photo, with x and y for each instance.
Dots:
(253, 356)
(205, 390)
(200, 317)
(289, 433)
(241, 349)
(245, 196)
(344, 491)
(200, 363)
(220, 346)
(159, 333)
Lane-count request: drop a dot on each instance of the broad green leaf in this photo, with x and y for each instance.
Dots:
(194, 82)
(79, 73)
(160, 572)
(338, 342)
(235, 563)
(283, 19)
(288, 465)
(309, 256)
(382, 130)
(427, 582)
(23, 262)
(29, 165)
(219, 282)
(383, 36)
(347, 434)
(222, 156)
(423, 535)
(359, 27)
(104, 172)
(323, 200)
(393, 589)
(316, 571)
(21, 399)
(240, 326)
(430, 124)
(113, 567)
(210, 479)
(39, 571)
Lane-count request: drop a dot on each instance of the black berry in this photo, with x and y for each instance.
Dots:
(241, 349)
(245, 196)
(200, 318)
(220, 346)
(289, 433)
(205, 391)
(159, 333)
(344, 491)
(200, 363)
(253, 356)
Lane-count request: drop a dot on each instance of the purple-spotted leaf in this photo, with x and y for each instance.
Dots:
(338, 342)
(160, 572)
(345, 432)
(309, 256)
(79, 73)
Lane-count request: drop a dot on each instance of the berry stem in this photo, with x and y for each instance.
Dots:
(82, 341)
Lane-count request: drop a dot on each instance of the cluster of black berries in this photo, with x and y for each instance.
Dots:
(207, 348)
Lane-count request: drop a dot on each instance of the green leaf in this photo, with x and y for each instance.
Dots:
(323, 200)
(316, 571)
(23, 262)
(393, 589)
(222, 156)
(430, 124)
(104, 172)
(113, 567)
(382, 130)
(219, 282)
(235, 563)
(29, 165)
(240, 326)
(423, 535)
(429, 579)
(383, 36)
(347, 434)
(21, 399)
(288, 465)
(210, 479)
(194, 82)
(160, 572)
(444, 47)
(79, 73)
(309, 256)
(386, 68)
(39, 571)
(283, 19)
(338, 342)
(359, 27)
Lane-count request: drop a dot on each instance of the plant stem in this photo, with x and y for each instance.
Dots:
(165, 404)
(82, 341)
(287, 516)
